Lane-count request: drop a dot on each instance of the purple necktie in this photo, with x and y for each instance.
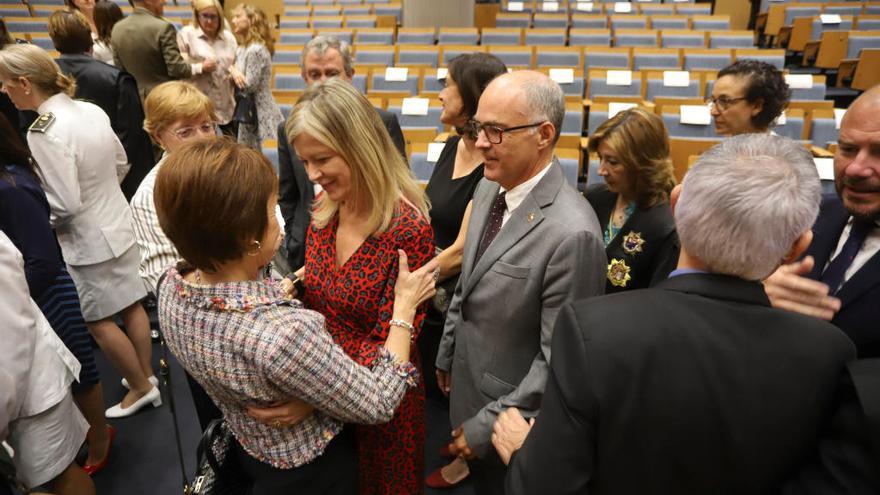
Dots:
(834, 274)
(496, 217)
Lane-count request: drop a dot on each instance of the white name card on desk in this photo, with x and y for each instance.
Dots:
(442, 72)
(619, 78)
(615, 108)
(838, 116)
(515, 6)
(434, 150)
(695, 115)
(781, 120)
(414, 106)
(585, 6)
(830, 18)
(799, 81)
(550, 6)
(623, 7)
(676, 78)
(562, 76)
(825, 167)
(396, 74)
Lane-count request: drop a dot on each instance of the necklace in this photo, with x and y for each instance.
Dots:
(616, 221)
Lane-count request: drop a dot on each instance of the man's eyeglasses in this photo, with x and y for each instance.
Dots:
(722, 102)
(206, 127)
(494, 133)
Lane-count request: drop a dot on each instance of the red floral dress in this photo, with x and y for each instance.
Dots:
(357, 301)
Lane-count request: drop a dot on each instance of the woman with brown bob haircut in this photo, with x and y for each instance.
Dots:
(249, 344)
(633, 203)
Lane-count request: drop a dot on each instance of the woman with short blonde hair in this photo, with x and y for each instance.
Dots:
(209, 48)
(252, 73)
(633, 203)
(370, 208)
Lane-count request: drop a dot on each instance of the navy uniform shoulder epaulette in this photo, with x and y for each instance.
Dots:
(42, 123)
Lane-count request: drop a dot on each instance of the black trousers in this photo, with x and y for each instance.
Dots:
(333, 473)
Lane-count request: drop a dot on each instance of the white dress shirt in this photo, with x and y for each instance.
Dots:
(515, 196)
(869, 248)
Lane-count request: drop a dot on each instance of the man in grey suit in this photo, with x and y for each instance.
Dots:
(533, 244)
(145, 45)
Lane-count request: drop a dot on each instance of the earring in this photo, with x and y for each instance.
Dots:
(257, 250)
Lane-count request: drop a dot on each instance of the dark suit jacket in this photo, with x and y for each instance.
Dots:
(658, 254)
(859, 315)
(296, 192)
(116, 92)
(697, 386)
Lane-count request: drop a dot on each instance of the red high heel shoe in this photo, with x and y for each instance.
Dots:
(91, 469)
(457, 470)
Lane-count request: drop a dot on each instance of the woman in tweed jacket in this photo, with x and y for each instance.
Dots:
(247, 343)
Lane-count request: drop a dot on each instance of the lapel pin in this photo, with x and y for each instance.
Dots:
(530, 216)
(618, 273)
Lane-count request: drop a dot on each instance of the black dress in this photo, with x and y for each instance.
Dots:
(645, 250)
(449, 199)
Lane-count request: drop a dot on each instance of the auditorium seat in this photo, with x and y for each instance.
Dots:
(708, 59)
(656, 58)
(597, 84)
(589, 37)
(502, 36)
(682, 38)
(607, 58)
(457, 36)
(655, 87)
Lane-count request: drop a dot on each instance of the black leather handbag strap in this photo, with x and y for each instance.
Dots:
(865, 374)
(165, 372)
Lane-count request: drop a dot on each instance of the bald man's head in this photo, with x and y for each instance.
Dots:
(857, 159)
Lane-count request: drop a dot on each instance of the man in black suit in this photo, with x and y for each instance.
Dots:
(844, 289)
(113, 90)
(323, 57)
(697, 385)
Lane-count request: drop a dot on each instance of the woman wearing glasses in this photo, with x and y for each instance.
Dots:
(456, 174)
(79, 157)
(747, 97)
(633, 203)
(209, 47)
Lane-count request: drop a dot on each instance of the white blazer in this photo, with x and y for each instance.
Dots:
(78, 155)
(37, 368)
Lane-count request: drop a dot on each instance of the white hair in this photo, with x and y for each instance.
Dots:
(745, 203)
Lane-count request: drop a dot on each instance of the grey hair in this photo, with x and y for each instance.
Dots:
(320, 44)
(546, 101)
(745, 203)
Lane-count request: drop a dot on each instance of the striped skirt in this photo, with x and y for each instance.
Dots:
(60, 304)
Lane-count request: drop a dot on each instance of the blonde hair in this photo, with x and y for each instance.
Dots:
(641, 142)
(259, 31)
(34, 64)
(338, 116)
(198, 5)
(172, 101)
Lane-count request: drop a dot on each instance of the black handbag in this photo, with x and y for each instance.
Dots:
(217, 472)
(245, 108)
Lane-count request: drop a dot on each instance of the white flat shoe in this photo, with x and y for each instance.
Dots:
(152, 397)
(152, 379)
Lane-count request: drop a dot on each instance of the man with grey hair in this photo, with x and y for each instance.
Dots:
(697, 385)
(533, 243)
(323, 57)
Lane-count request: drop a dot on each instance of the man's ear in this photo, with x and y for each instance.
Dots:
(547, 133)
(800, 245)
(673, 197)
